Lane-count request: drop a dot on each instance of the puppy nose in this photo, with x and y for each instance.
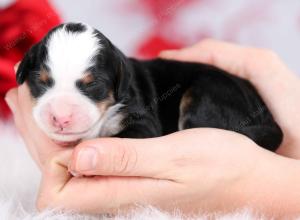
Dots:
(61, 121)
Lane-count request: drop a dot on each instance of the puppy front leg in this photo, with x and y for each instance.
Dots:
(139, 130)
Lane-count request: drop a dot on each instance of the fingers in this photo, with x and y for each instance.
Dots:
(96, 194)
(245, 62)
(107, 194)
(161, 158)
(18, 100)
(212, 52)
(146, 177)
(124, 157)
(16, 103)
(11, 99)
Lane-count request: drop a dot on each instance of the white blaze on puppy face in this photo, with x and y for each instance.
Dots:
(70, 54)
(63, 112)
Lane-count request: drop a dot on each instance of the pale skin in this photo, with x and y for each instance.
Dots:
(193, 170)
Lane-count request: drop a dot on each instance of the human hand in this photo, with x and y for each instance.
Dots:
(193, 170)
(278, 86)
(196, 170)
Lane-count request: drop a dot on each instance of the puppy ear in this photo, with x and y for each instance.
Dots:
(124, 70)
(26, 65)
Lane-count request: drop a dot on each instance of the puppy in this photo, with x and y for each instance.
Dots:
(84, 87)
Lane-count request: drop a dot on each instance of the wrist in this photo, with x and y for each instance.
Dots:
(273, 186)
(233, 184)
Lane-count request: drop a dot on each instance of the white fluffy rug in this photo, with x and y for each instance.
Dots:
(19, 179)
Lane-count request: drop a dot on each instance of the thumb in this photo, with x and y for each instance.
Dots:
(123, 157)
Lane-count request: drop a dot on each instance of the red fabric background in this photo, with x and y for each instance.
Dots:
(162, 14)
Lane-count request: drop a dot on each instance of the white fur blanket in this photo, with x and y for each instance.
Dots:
(19, 180)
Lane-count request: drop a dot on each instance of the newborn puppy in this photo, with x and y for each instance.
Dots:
(84, 87)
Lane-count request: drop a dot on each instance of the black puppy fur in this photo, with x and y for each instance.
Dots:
(160, 94)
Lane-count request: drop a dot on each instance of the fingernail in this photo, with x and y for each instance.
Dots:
(10, 104)
(86, 159)
(74, 173)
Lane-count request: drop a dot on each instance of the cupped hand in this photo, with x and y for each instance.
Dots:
(193, 170)
(278, 86)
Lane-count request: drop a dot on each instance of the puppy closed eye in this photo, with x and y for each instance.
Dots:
(89, 83)
(92, 86)
(87, 80)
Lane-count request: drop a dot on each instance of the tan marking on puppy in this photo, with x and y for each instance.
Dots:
(87, 78)
(185, 103)
(106, 103)
(44, 75)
